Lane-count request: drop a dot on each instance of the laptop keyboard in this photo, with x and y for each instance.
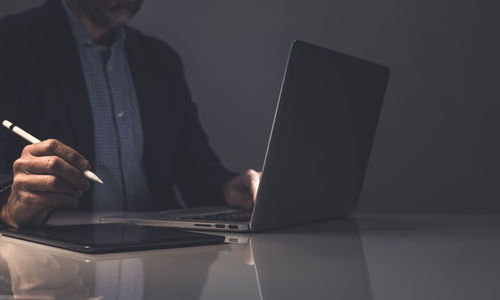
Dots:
(230, 217)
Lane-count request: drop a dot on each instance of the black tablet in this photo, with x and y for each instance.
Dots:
(108, 237)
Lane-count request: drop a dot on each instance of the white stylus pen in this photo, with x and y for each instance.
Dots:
(33, 140)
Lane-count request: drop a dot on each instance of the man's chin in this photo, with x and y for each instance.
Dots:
(119, 18)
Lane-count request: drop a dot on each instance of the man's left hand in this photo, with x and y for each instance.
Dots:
(241, 191)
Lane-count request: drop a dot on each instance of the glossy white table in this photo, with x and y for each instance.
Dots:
(364, 257)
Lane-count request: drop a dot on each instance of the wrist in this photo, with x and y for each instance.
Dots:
(5, 218)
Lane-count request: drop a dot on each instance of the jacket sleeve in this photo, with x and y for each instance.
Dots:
(7, 97)
(12, 103)
(198, 172)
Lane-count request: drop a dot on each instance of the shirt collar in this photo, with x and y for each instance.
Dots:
(81, 36)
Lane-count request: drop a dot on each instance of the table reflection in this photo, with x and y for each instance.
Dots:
(307, 262)
(398, 257)
(311, 262)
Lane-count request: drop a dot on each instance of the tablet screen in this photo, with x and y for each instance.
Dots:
(111, 237)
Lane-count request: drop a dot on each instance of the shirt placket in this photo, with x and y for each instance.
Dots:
(121, 115)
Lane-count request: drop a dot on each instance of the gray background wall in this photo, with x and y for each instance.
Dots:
(437, 145)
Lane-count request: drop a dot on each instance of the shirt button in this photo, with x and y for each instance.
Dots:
(120, 114)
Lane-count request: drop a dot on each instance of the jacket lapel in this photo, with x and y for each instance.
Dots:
(63, 59)
(153, 86)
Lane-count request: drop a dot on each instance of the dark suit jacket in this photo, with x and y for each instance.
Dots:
(42, 89)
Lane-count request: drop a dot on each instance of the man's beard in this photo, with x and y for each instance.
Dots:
(110, 13)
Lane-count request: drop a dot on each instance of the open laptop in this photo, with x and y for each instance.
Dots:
(318, 149)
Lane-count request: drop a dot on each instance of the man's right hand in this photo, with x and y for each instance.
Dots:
(48, 175)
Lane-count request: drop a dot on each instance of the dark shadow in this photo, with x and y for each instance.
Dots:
(343, 225)
(366, 223)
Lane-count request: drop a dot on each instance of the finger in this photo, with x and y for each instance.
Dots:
(53, 165)
(239, 199)
(55, 147)
(42, 200)
(44, 183)
(252, 179)
(254, 187)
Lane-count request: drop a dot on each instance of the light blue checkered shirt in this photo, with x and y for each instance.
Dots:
(118, 135)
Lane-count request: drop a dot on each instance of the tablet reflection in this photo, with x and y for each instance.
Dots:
(34, 274)
(31, 272)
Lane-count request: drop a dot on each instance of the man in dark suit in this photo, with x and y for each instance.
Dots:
(72, 71)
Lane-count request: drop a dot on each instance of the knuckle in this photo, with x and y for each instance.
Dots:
(18, 165)
(50, 163)
(53, 163)
(26, 150)
(52, 145)
(66, 154)
(75, 159)
(254, 173)
(71, 155)
(51, 180)
(19, 180)
(52, 142)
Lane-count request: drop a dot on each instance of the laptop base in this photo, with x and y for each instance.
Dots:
(181, 218)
